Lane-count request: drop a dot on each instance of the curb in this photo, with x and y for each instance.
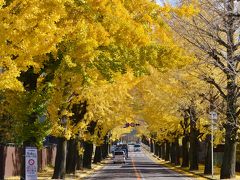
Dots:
(98, 167)
(180, 170)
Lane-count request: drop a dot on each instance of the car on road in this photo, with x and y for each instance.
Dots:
(137, 147)
(131, 147)
(119, 156)
(122, 147)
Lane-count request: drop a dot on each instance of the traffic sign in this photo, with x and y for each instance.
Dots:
(31, 163)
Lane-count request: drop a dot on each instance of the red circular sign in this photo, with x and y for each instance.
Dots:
(31, 162)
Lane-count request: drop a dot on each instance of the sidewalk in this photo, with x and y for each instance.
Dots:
(80, 174)
(198, 174)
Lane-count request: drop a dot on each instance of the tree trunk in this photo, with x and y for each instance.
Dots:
(167, 154)
(79, 110)
(193, 151)
(79, 155)
(229, 157)
(105, 149)
(60, 161)
(88, 147)
(185, 157)
(145, 140)
(156, 148)
(173, 152)
(163, 147)
(151, 145)
(22, 175)
(98, 154)
(159, 150)
(79, 162)
(87, 155)
(208, 157)
(177, 148)
(71, 162)
(109, 147)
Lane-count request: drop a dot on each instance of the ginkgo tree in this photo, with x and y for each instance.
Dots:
(109, 106)
(173, 107)
(107, 58)
(213, 34)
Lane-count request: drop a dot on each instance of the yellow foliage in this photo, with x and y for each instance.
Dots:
(163, 95)
(87, 40)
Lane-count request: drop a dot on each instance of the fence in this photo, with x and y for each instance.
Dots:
(10, 159)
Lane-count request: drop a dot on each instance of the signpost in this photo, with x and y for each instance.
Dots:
(31, 163)
(213, 117)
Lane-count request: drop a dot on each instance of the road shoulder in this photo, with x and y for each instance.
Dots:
(177, 169)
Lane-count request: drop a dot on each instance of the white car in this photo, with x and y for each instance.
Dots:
(119, 156)
(130, 147)
(137, 147)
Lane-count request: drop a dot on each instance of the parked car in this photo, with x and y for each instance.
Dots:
(119, 156)
(137, 147)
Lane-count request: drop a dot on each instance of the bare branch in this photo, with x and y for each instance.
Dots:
(217, 38)
(218, 62)
(213, 82)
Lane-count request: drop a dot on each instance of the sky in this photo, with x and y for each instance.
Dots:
(170, 1)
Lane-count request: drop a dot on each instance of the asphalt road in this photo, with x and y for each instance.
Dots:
(138, 167)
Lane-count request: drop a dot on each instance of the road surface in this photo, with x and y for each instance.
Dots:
(138, 167)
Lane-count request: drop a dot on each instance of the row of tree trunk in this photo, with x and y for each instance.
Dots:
(167, 151)
(69, 160)
(188, 152)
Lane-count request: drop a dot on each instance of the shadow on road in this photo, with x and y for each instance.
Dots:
(149, 170)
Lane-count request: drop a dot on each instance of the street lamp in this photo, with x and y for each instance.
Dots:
(213, 117)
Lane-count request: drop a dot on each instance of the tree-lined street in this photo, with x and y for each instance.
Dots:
(79, 76)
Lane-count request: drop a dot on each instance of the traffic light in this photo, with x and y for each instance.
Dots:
(126, 125)
(131, 125)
